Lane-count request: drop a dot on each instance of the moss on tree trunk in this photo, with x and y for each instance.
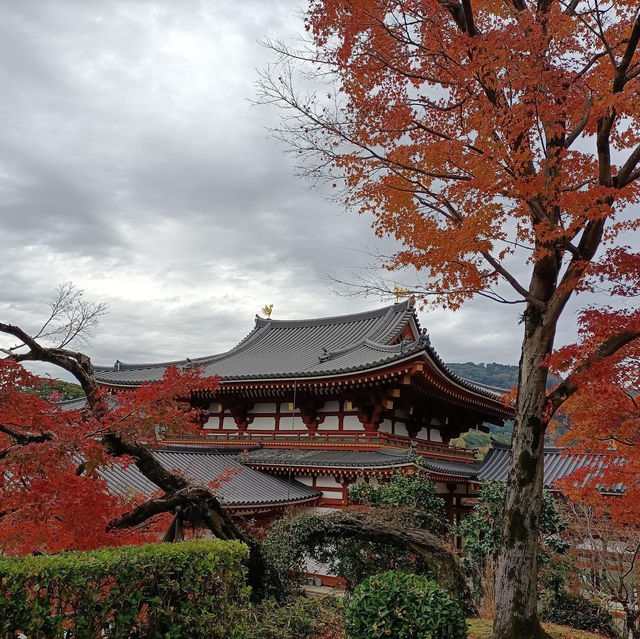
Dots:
(517, 569)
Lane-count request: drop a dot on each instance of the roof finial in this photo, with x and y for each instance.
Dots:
(424, 337)
(324, 354)
(117, 365)
(267, 310)
(400, 292)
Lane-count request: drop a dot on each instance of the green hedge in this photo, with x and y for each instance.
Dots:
(189, 589)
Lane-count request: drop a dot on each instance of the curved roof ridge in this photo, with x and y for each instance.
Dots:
(392, 348)
(396, 324)
(391, 310)
(263, 325)
(380, 346)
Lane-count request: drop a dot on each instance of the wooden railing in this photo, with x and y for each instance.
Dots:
(305, 439)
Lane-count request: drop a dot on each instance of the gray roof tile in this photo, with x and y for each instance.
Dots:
(247, 487)
(453, 468)
(381, 458)
(278, 349)
(557, 465)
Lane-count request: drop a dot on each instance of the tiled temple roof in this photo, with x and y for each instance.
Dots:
(249, 487)
(381, 458)
(246, 487)
(324, 347)
(558, 464)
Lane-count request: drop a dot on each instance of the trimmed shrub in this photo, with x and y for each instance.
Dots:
(403, 605)
(189, 589)
(577, 612)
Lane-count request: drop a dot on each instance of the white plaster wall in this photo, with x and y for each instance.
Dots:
(212, 422)
(400, 414)
(325, 481)
(307, 480)
(401, 429)
(435, 422)
(285, 423)
(316, 568)
(434, 435)
(264, 408)
(351, 422)
(328, 494)
(331, 406)
(263, 423)
(229, 423)
(330, 423)
(385, 426)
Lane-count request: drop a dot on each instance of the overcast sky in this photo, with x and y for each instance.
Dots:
(133, 164)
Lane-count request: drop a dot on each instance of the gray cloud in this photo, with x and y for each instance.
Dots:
(132, 163)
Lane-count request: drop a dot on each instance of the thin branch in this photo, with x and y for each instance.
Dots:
(626, 173)
(513, 281)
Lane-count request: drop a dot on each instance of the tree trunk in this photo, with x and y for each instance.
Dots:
(517, 569)
(349, 524)
(631, 620)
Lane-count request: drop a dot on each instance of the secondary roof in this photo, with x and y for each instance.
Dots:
(245, 487)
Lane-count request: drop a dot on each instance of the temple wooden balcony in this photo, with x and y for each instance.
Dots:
(331, 440)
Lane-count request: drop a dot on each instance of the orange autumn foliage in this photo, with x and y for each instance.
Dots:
(499, 142)
(46, 504)
(604, 417)
(469, 147)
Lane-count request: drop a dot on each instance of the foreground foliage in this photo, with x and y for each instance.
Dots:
(577, 612)
(482, 629)
(298, 618)
(397, 525)
(414, 499)
(499, 143)
(187, 590)
(52, 496)
(403, 605)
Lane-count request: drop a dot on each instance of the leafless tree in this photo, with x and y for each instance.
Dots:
(608, 560)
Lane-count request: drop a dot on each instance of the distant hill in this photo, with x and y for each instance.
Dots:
(55, 388)
(499, 376)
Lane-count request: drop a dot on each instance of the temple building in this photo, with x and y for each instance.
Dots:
(321, 403)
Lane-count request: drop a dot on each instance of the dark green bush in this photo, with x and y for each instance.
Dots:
(185, 590)
(403, 605)
(577, 612)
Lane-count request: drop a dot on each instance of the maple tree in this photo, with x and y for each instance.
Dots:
(604, 419)
(499, 142)
(52, 495)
